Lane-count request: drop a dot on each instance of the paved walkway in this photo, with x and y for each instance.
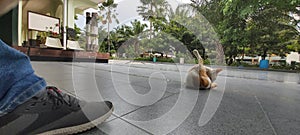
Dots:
(151, 98)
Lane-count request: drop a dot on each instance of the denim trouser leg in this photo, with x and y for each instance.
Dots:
(18, 83)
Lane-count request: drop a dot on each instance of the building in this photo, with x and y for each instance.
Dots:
(14, 26)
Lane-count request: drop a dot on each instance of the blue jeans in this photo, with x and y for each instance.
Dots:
(18, 82)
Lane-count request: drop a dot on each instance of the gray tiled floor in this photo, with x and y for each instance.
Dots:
(245, 102)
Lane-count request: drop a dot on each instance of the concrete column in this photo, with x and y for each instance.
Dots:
(71, 13)
(65, 23)
(20, 23)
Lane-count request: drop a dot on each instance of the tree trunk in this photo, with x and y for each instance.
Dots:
(151, 24)
(203, 53)
(264, 54)
(220, 53)
(136, 50)
(108, 37)
(243, 53)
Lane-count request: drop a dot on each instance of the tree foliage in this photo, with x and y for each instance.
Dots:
(107, 15)
(264, 26)
(252, 27)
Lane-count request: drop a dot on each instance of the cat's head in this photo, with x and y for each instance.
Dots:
(214, 73)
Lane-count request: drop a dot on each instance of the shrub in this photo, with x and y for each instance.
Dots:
(151, 59)
(206, 62)
(242, 63)
(165, 60)
(287, 67)
(143, 59)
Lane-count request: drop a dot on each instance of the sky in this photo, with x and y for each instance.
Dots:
(127, 10)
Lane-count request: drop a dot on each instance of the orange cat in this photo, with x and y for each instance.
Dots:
(200, 76)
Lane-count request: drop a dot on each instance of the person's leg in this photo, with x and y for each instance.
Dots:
(88, 37)
(18, 82)
(27, 106)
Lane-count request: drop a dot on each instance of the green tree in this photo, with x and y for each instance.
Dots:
(102, 39)
(261, 25)
(272, 25)
(107, 15)
(129, 35)
(153, 9)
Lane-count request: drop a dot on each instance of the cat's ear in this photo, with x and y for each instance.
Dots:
(218, 70)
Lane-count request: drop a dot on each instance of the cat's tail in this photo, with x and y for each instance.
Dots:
(198, 56)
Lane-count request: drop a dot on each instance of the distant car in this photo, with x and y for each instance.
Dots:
(153, 53)
(157, 54)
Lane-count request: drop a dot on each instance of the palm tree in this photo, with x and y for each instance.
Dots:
(108, 13)
(181, 13)
(130, 34)
(137, 28)
(153, 9)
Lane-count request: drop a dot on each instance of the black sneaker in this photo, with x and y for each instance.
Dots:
(52, 112)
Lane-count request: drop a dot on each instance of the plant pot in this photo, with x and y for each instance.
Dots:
(34, 42)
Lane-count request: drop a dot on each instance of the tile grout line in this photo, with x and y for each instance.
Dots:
(266, 115)
(116, 117)
(172, 94)
(122, 116)
(129, 123)
(136, 126)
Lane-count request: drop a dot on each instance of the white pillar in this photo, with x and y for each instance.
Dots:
(71, 13)
(65, 21)
(20, 15)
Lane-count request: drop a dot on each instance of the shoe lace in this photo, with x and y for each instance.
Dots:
(58, 99)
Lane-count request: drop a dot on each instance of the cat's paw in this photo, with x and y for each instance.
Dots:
(213, 85)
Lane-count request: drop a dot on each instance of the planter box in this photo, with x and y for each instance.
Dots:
(49, 54)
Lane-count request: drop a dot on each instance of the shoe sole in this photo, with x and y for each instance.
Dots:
(79, 128)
